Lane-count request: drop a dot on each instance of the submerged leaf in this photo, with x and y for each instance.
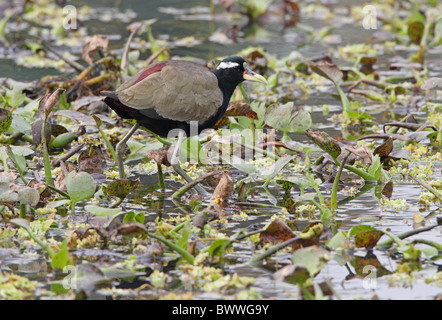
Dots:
(92, 160)
(5, 120)
(122, 187)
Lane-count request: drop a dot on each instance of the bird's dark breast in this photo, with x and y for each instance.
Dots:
(158, 124)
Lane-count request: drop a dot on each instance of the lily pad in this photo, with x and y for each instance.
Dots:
(122, 187)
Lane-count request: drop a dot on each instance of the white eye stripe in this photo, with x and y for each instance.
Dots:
(227, 65)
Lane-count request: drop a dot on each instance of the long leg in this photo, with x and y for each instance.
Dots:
(175, 162)
(120, 148)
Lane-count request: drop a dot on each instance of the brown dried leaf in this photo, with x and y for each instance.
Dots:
(159, 156)
(131, 229)
(92, 160)
(97, 42)
(66, 167)
(241, 109)
(385, 148)
(362, 153)
(387, 191)
(48, 102)
(367, 239)
(223, 189)
(36, 131)
(277, 231)
(327, 70)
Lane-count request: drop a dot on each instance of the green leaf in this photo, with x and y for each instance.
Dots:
(360, 228)
(313, 258)
(80, 186)
(102, 212)
(375, 168)
(275, 169)
(337, 241)
(21, 124)
(334, 74)
(287, 118)
(14, 97)
(241, 165)
(61, 259)
(20, 223)
(134, 217)
(191, 150)
(217, 247)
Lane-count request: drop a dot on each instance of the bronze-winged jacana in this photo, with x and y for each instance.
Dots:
(176, 94)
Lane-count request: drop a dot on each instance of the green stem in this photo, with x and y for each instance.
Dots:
(61, 192)
(430, 243)
(108, 144)
(47, 162)
(161, 177)
(364, 175)
(22, 210)
(243, 92)
(398, 239)
(160, 139)
(72, 207)
(334, 192)
(184, 253)
(427, 186)
(272, 250)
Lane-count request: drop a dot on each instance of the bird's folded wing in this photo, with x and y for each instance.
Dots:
(176, 91)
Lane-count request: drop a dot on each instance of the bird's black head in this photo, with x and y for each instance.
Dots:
(234, 70)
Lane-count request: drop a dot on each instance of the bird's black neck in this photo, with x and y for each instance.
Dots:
(226, 84)
(227, 87)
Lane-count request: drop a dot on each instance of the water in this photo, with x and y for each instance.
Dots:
(280, 42)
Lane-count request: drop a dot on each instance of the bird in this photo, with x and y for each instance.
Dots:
(178, 96)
